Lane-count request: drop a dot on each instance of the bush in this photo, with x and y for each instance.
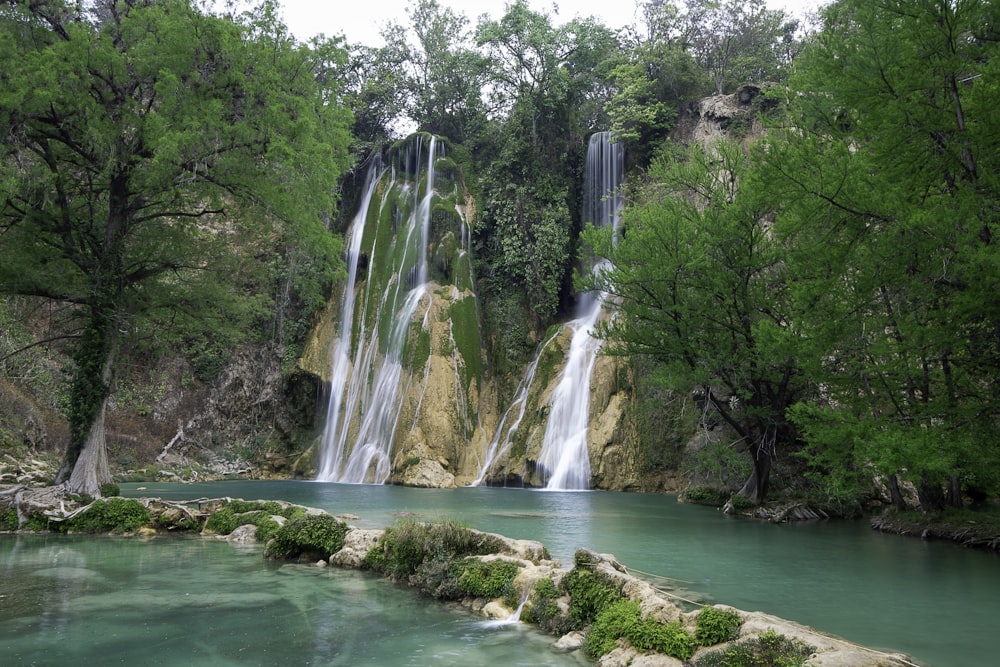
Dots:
(110, 490)
(705, 495)
(589, 595)
(8, 519)
(484, 579)
(768, 650)
(222, 522)
(622, 619)
(715, 626)
(408, 545)
(114, 515)
(614, 622)
(309, 538)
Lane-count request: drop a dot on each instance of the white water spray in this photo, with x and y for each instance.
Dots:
(366, 392)
(564, 460)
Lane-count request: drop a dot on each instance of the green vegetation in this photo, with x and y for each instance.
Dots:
(622, 620)
(768, 650)
(715, 626)
(312, 537)
(488, 579)
(589, 595)
(8, 519)
(114, 515)
(151, 147)
(435, 558)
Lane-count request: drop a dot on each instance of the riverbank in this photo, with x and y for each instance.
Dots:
(595, 605)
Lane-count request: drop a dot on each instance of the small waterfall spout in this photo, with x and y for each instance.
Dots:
(368, 379)
(564, 459)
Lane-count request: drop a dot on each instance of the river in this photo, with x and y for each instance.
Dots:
(936, 602)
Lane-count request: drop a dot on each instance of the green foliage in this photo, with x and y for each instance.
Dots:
(110, 490)
(714, 626)
(622, 619)
(408, 545)
(770, 649)
(222, 521)
(699, 284)
(589, 595)
(543, 609)
(887, 192)
(705, 495)
(311, 537)
(114, 515)
(8, 519)
(174, 126)
(484, 579)
(615, 621)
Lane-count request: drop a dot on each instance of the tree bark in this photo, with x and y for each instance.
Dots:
(91, 470)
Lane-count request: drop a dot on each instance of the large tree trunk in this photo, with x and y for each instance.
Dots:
(91, 470)
(85, 468)
(755, 488)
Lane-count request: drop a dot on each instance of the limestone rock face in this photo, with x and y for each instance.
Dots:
(427, 474)
(357, 544)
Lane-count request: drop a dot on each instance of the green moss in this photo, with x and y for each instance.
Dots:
(114, 515)
(715, 626)
(465, 330)
(309, 538)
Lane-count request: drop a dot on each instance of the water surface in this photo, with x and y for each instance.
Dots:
(938, 602)
(73, 600)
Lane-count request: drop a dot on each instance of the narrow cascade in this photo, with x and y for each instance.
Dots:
(564, 459)
(511, 420)
(368, 379)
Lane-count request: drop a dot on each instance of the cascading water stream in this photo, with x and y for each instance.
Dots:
(366, 392)
(564, 460)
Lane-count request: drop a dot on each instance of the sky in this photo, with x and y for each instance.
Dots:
(361, 21)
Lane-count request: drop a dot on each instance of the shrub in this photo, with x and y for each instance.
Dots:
(768, 650)
(110, 490)
(311, 537)
(622, 619)
(114, 515)
(484, 579)
(667, 638)
(589, 595)
(222, 521)
(715, 626)
(614, 622)
(8, 518)
(408, 545)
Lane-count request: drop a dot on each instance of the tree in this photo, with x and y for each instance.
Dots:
(889, 210)
(739, 41)
(698, 283)
(153, 150)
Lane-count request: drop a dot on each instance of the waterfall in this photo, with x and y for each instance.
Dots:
(564, 460)
(367, 386)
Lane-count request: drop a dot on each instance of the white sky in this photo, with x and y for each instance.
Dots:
(361, 21)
